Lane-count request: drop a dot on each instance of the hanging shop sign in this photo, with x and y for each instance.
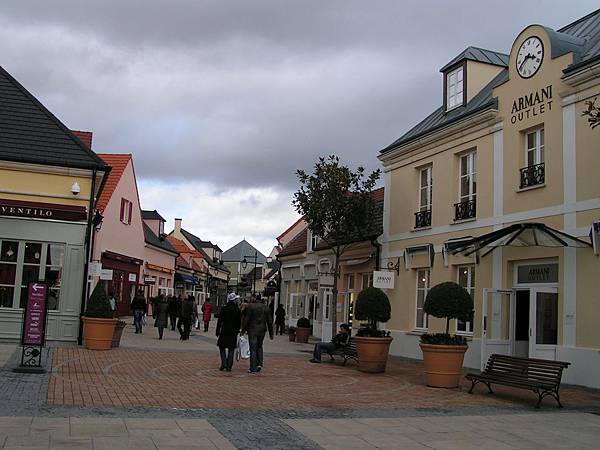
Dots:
(531, 105)
(383, 279)
(106, 274)
(538, 273)
(132, 277)
(35, 210)
(94, 268)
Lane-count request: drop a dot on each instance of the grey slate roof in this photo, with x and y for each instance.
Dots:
(581, 37)
(241, 249)
(29, 133)
(155, 241)
(480, 55)
(151, 215)
(200, 245)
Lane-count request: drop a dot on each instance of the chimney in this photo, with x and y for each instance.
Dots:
(84, 136)
(177, 226)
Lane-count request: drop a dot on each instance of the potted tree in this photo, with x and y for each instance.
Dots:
(443, 354)
(372, 345)
(98, 321)
(292, 334)
(302, 330)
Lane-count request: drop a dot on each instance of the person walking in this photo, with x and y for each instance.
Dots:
(256, 322)
(161, 315)
(179, 306)
(113, 304)
(138, 306)
(340, 340)
(228, 327)
(206, 313)
(187, 313)
(172, 301)
(279, 319)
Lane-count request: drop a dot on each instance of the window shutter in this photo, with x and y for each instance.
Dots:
(122, 217)
(130, 209)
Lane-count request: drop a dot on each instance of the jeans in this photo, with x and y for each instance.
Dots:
(256, 350)
(206, 323)
(160, 332)
(138, 316)
(320, 346)
(173, 318)
(226, 357)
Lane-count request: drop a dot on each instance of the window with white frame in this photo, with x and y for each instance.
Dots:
(126, 210)
(468, 176)
(422, 289)
(314, 240)
(466, 279)
(454, 89)
(366, 280)
(350, 282)
(425, 189)
(534, 147)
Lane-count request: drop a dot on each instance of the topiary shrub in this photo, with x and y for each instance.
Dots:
(303, 322)
(98, 305)
(372, 305)
(450, 301)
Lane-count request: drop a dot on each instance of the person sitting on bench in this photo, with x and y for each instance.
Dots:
(339, 340)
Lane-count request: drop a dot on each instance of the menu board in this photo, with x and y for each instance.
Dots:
(34, 326)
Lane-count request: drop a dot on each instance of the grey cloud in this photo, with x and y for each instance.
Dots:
(241, 93)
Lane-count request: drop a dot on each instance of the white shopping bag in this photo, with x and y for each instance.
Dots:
(243, 348)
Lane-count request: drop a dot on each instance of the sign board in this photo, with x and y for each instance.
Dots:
(149, 280)
(383, 279)
(106, 274)
(94, 268)
(179, 286)
(35, 210)
(34, 325)
(132, 277)
(326, 280)
(538, 273)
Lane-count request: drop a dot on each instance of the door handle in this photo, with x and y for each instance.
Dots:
(530, 332)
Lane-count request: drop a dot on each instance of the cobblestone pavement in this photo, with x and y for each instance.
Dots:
(170, 394)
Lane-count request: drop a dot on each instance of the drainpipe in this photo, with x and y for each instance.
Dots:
(88, 232)
(377, 246)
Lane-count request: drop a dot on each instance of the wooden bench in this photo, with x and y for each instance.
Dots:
(538, 375)
(347, 352)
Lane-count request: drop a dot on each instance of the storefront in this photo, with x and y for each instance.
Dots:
(123, 273)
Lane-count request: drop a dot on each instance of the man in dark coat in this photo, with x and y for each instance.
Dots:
(187, 313)
(138, 306)
(228, 327)
(173, 312)
(279, 319)
(161, 315)
(257, 320)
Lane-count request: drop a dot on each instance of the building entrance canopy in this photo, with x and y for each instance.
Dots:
(517, 235)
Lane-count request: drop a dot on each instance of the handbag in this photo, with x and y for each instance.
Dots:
(243, 348)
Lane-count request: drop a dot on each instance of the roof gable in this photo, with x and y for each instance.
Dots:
(156, 241)
(243, 249)
(479, 55)
(296, 245)
(29, 133)
(152, 215)
(119, 163)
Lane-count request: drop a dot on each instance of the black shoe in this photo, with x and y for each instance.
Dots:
(221, 368)
(258, 368)
(313, 360)
(228, 369)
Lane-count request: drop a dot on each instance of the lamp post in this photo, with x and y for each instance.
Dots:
(245, 264)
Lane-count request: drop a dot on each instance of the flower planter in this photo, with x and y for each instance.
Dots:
(372, 353)
(118, 333)
(302, 335)
(98, 333)
(443, 364)
(292, 335)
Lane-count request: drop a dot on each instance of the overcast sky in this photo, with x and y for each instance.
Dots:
(220, 101)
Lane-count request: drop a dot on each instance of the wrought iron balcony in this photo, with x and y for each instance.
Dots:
(465, 210)
(423, 218)
(533, 175)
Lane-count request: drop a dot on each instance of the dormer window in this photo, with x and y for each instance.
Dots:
(455, 88)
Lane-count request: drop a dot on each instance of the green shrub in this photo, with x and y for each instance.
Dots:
(372, 305)
(449, 300)
(98, 304)
(443, 339)
(303, 322)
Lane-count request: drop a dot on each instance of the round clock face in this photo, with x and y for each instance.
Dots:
(530, 57)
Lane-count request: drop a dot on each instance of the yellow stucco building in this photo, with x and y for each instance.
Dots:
(509, 145)
(49, 180)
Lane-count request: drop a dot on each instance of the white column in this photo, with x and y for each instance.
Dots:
(570, 197)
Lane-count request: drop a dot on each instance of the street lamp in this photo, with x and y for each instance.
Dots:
(245, 264)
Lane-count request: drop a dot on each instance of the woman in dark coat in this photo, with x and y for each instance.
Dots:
(228, 327)
(161, 315)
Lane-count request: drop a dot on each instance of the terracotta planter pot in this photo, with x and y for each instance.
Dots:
(117, 333)
(98, 333)
(292, 336)
(443, 364)
(302, 335)
(372, 353)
